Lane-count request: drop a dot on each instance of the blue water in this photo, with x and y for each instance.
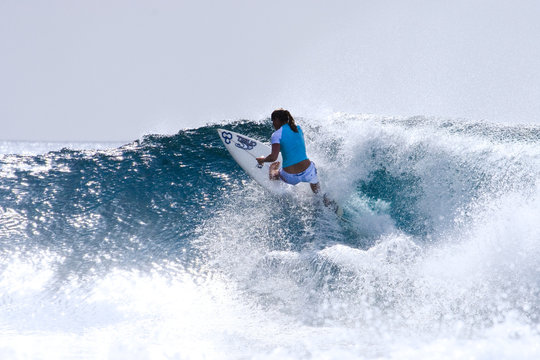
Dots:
(165, 248)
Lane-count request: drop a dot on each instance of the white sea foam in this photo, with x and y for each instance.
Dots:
(41, 147)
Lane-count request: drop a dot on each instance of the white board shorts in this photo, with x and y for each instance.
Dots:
(309, 175)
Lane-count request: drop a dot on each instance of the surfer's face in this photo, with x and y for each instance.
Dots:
(276, 123)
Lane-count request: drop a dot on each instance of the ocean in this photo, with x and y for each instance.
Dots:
(163, 248)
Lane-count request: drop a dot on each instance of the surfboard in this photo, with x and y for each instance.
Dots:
(246, 150)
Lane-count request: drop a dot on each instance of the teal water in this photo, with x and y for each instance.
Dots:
(167, 242)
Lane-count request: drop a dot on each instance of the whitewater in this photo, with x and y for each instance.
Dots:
(163, 248)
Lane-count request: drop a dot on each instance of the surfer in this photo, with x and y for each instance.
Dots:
(289, 139)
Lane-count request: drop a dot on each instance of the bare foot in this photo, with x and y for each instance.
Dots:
(328, 202)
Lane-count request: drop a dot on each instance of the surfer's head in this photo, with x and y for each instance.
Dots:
(281, 117)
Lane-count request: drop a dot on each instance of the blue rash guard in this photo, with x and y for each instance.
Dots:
(292, 145)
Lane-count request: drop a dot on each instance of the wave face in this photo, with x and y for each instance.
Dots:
(165, 248)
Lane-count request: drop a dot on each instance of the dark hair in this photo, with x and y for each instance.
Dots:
(284, 117)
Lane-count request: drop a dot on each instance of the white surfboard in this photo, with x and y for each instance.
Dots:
(245, 150)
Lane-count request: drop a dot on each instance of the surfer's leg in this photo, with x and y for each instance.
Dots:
(274, 171)
(310, 176)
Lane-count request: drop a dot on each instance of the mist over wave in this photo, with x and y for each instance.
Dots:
(165, 248)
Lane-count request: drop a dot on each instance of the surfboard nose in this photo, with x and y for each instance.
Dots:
(226, 136)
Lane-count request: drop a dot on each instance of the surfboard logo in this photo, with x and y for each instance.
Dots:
(245, 144)
(227, 137)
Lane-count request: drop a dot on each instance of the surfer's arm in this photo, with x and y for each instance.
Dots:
(272, 157)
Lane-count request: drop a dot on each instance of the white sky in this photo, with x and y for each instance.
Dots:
(117, 69)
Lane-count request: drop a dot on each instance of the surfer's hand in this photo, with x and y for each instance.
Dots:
(260, 160)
